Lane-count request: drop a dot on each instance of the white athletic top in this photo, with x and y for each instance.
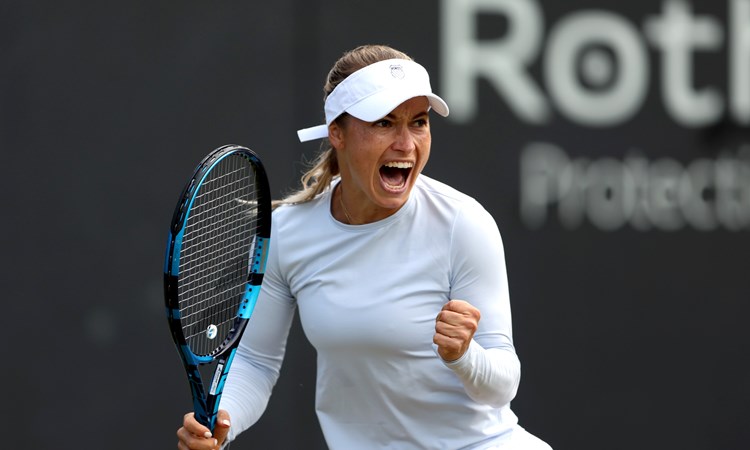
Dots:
(368, 296)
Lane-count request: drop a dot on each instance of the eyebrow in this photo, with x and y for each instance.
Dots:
(416, 116)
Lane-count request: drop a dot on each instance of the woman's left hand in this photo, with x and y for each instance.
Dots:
(455, 326)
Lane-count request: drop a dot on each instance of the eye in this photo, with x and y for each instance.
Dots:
(382, 123)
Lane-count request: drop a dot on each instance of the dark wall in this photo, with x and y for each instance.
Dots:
(609, 140)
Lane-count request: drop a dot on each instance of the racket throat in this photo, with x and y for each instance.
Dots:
(217, 379)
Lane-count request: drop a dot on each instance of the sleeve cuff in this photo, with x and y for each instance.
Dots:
(465, 359)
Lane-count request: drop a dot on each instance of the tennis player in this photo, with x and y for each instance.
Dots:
(400, 281)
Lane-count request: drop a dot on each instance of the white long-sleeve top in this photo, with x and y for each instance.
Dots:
(368, 296)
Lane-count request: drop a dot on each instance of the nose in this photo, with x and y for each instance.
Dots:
(404, 140)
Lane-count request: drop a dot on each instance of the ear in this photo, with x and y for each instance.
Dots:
(336, 135)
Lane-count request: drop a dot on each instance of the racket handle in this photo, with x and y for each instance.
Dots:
(209, 421)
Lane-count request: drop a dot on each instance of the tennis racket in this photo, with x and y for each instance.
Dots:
(214, 265)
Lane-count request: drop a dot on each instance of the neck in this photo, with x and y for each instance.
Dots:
(347, 216)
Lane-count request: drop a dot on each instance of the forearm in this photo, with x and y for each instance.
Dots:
(246, 396)
(490, 376)
(256, 365)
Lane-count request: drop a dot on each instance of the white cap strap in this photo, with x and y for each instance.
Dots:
(316, 132)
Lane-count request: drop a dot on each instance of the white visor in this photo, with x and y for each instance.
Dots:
(372, 92)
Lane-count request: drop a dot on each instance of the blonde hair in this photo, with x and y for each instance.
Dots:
(325, 166)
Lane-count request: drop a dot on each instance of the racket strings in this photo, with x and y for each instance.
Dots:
(209, 263)
(223, 327)
(206, 214)
(216, 253)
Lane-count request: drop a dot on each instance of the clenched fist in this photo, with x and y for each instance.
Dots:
(455, 326)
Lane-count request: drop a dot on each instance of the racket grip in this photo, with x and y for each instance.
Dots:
(208, 420)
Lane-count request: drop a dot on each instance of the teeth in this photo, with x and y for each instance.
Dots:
(400, 165)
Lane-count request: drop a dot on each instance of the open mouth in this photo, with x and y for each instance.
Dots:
(395, 174)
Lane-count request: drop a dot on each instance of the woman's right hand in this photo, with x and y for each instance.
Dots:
(194, 436)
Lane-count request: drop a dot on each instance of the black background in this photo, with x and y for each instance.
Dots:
(628, 339)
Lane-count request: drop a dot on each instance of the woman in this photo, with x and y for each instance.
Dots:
(391, 272)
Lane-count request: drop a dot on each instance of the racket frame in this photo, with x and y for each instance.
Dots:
(206, 401)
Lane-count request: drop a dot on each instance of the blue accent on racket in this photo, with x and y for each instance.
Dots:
(214, 264)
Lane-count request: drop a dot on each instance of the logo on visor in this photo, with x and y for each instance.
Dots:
(397, 71)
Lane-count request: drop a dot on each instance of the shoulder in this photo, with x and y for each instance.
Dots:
(450, 200)
(290, 215)
(468, 223)
(439, 190)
